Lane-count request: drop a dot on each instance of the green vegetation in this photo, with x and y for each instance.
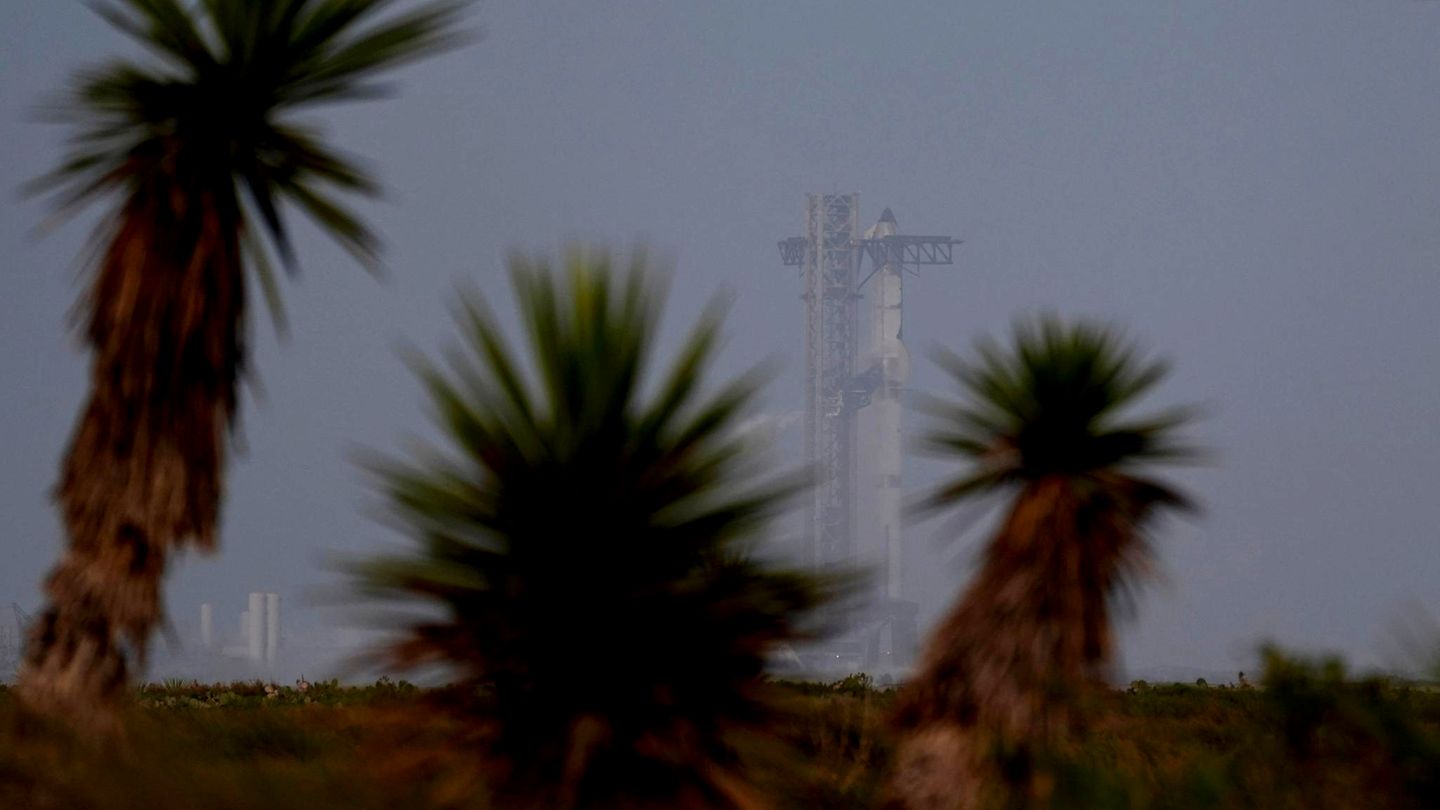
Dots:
(1304, 738)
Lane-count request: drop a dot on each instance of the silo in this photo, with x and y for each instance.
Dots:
(207, 626)
(272, 626)
(255, 627)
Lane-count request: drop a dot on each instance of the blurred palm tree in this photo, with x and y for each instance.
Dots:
(1048, 426)
(584, 548)
(196, 152)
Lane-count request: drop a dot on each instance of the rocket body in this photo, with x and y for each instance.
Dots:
(889, 352)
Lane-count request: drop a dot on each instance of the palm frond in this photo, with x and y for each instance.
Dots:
(219, 100)
(164, 27)
(585, 533)
(1057, 403)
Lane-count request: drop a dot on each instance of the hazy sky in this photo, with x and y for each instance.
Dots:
(1252, 188)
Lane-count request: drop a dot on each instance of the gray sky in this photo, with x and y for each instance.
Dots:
(1252, 188)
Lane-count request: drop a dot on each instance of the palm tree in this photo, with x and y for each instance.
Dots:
(582, 550)
(196, 152)
(1048, 426)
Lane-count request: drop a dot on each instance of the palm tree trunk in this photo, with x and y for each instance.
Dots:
(74, 667)
(978, 695)
(142, 476)
(104, 594)
(998, 681)
(938, 767)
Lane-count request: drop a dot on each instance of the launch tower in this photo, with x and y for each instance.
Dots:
(832, 256)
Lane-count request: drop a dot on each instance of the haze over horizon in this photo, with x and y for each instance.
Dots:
(1252, 191)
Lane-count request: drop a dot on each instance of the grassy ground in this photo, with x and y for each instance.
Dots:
(1304, 744)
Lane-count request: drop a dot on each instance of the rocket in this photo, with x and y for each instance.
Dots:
(888, 352)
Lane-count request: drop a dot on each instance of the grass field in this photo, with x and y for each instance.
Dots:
(1309, 742)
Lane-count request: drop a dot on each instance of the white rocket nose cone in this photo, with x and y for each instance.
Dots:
(885, 227)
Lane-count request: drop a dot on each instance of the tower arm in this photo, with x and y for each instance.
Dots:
(792, 251)
(911, 250)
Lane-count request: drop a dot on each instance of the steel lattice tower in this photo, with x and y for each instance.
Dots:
(831, 225)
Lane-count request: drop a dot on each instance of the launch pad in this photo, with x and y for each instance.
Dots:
(839, 382)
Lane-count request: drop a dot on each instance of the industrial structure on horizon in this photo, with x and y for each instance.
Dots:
(839, 382)
(259, 629)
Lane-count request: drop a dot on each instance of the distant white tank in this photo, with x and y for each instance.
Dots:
(255, 627)
(272, 626)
